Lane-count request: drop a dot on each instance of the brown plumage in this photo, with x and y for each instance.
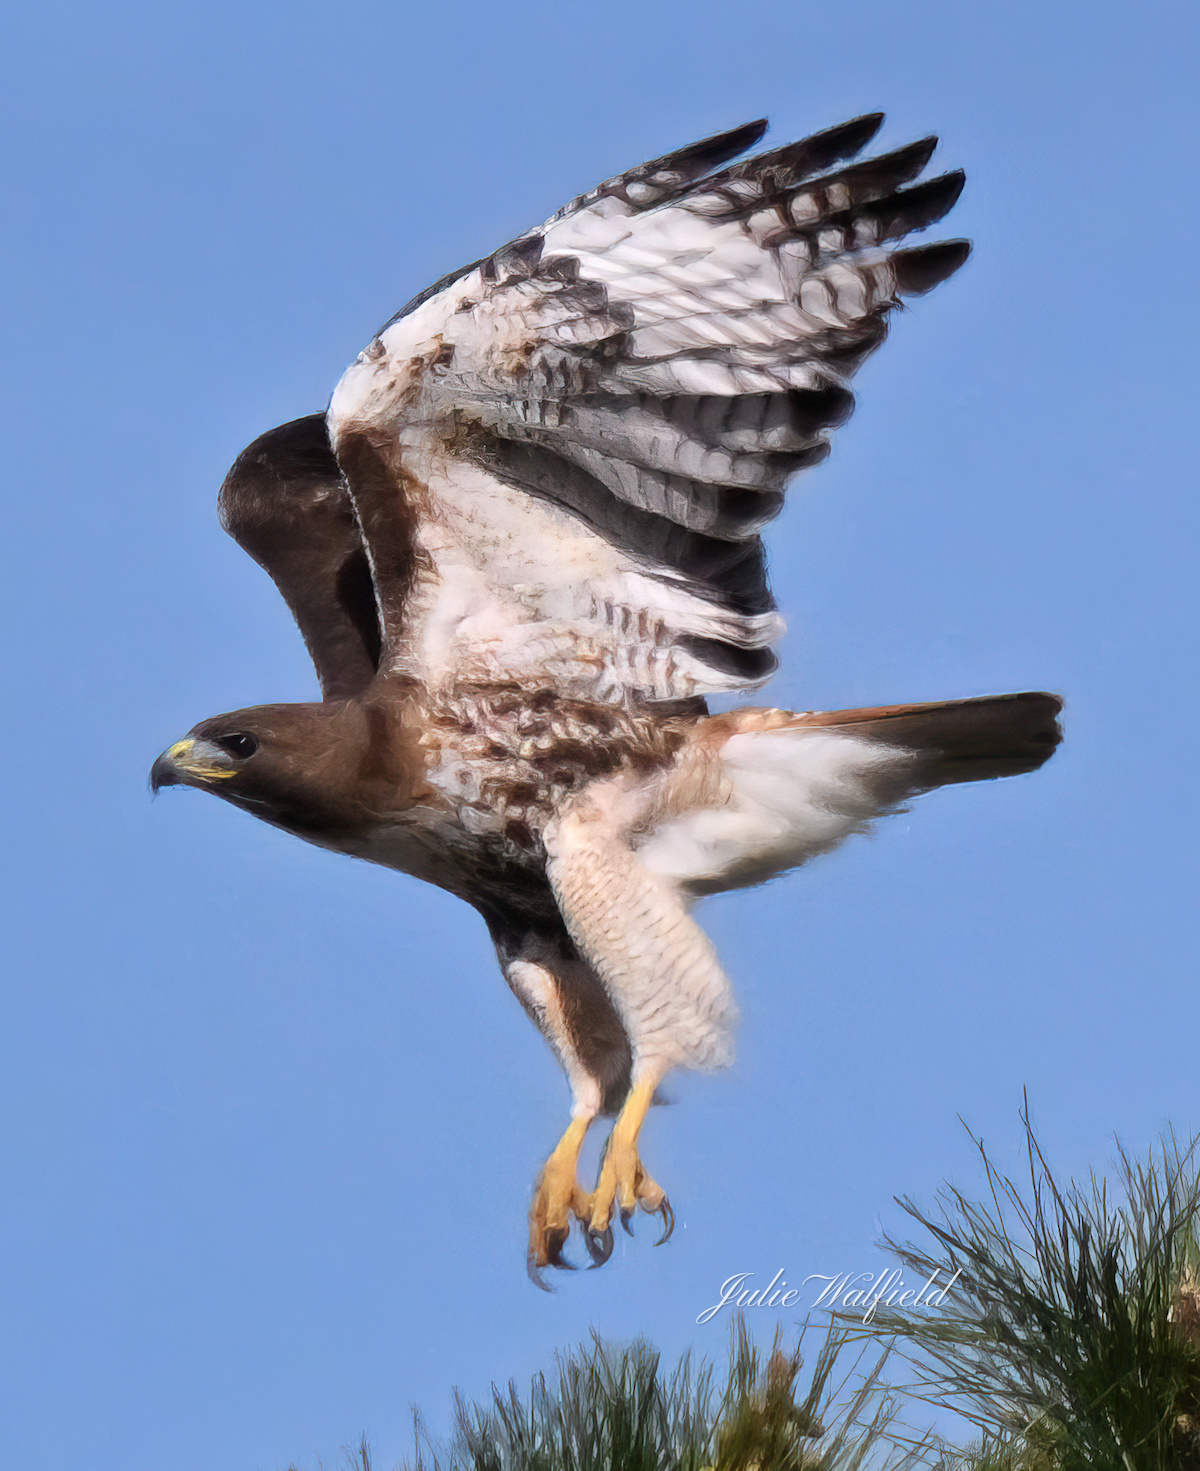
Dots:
(523, 547)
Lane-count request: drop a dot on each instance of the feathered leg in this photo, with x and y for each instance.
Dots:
(572, 1010)
(657, 965)
(633, 927)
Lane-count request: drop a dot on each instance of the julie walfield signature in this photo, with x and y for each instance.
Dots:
(845, 1291)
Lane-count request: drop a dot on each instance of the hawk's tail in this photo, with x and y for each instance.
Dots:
(960, 740)
(786, 786)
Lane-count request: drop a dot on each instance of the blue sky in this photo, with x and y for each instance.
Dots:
(270, 1117)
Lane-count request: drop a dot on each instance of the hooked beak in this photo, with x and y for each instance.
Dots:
(164, 772)
(188, 763)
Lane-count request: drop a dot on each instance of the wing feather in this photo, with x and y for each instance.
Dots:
(284, 502)
(613, 398)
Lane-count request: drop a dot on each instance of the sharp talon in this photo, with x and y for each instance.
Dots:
(599, 1244)
(535, 1275)
(555, 1241)
(623, 1184)
(556, 1196)
(668, 1220)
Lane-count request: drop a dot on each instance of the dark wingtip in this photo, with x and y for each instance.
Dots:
(926, 146)
(953, 183)
(744, 136)
(940, 194)
(843, 140)
(695, 160)
(919, 207)
(296, 451)
(806, 156)
(925, 266)
(886, 171)
(709, 153)
(863, 127)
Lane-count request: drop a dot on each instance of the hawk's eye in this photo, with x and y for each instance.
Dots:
(238, 744)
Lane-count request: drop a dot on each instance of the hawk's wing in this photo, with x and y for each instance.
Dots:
(284, 502)
(561, 457)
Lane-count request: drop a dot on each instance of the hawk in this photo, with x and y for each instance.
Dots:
(523, 548)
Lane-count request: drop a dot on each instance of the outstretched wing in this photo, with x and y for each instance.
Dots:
(284, 501)
(562, 458)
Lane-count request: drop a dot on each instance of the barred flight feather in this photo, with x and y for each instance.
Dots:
(669, 348)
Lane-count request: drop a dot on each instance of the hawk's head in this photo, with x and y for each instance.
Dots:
(317, 770)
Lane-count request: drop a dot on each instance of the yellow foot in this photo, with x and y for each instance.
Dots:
(623, 1183)
(557, 1197)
